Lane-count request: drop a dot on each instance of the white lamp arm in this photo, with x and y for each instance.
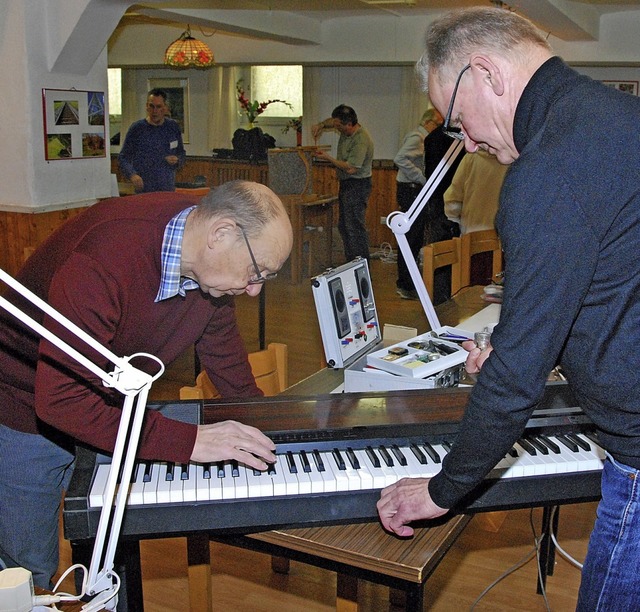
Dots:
(400, 223)
(134, 384)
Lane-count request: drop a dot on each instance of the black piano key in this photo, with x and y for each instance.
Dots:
(553, 447)
(419, 455)
(432, 452)
(581, 442)
(306, 466)
(528, 447)
(538, 445)
(256, 472)
(184, 471)
(513, 453)
(446, 445)
(318, 460)
(372, 455)
(353, 460)
(338, 459)
(572, 446)
(593, 436)
(171, 466)
(386, 457)
(395, 449)
(206, 471)
(235, 470)
(148, 471)
(293, 468)
(271, 470)
(220, 472)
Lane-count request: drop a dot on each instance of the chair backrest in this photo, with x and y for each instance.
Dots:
(270, 369)
(438, 255)
(194, 191)
(471, 244)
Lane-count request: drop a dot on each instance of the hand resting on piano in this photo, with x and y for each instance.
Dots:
(405, 501)
(233, 440)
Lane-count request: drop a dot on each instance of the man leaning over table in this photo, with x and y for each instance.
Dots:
(569, 221)
(151, 273)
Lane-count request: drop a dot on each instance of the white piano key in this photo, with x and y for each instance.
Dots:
(150, 492)
(164, 486)
(175, 486)
(99, 485)
(136, 489)
(304, 478)
(189, 493)
(202, 484)
(339, 476)
(278, 481)
(241, 484)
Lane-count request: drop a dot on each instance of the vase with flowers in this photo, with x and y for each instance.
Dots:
(294, 124)
(255, 108)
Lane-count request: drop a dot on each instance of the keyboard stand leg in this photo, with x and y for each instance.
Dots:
(346, 593)
(550, 517)
(199, 569)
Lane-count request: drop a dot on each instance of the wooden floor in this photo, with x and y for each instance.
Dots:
(488, 548)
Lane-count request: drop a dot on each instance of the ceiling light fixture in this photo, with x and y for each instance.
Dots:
(188, 52)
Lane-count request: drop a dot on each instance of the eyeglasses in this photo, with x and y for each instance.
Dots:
(454, 132)
(259, 278)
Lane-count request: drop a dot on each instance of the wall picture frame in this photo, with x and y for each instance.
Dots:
(626, 86)
(74, 124)
(177, 100)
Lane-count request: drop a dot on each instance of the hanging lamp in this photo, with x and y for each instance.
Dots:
(187, 51)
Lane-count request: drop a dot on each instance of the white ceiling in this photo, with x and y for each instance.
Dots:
(567, 19)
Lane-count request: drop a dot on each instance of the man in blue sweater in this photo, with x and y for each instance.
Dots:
(153, 149)
(569, 220)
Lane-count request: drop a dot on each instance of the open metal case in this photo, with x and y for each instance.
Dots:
(352, 339)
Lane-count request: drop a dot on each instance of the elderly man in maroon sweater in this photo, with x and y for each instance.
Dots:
(150, 273)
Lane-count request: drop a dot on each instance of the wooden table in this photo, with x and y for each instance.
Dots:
(315, 211)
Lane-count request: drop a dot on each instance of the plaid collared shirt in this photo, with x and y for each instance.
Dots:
(171, 283)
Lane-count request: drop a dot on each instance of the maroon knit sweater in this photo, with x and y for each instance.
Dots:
(101, 269)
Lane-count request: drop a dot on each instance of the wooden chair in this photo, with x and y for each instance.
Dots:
(269, 367)
(473, 243)
(438, 255)
(271, 371)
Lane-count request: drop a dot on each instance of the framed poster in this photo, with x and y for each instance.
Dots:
(74, 124)
(627, 86)
(177, 91)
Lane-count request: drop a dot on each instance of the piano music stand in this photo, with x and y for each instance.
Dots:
(400, 223)
(134, 385)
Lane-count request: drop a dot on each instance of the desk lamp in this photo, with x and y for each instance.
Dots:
(134, 385)
(400, 223)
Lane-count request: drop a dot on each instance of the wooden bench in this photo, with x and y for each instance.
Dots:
(363, 551)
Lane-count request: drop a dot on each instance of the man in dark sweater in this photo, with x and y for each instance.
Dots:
(152, 274)
(153, 151)
(569, 220)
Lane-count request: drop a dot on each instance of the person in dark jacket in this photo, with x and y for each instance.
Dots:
(569, 220)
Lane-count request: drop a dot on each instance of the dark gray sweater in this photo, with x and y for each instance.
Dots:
(569, 221)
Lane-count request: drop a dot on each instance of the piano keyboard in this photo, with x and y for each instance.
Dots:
(329, 470)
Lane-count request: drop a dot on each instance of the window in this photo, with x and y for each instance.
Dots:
(115, 91)
(278, 83)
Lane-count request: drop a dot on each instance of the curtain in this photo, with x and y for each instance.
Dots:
(223, 116)
(414, 102)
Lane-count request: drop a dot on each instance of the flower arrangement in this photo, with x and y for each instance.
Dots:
(293, 124)
(255, 108)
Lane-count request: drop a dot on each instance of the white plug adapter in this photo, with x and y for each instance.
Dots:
(16, 590)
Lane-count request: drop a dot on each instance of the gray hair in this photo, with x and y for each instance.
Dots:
(451, 39)
(251, 205)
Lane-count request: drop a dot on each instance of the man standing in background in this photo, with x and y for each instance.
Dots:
(353, 164)
(409, 181)
(153, 149)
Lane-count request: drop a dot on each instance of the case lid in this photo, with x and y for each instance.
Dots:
(346, 312)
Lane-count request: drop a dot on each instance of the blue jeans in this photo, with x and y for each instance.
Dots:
(33, 473)
(353, 197)
(611, 572)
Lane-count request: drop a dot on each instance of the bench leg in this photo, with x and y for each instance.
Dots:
(347, 593)
(280, 565)
(199, 572)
